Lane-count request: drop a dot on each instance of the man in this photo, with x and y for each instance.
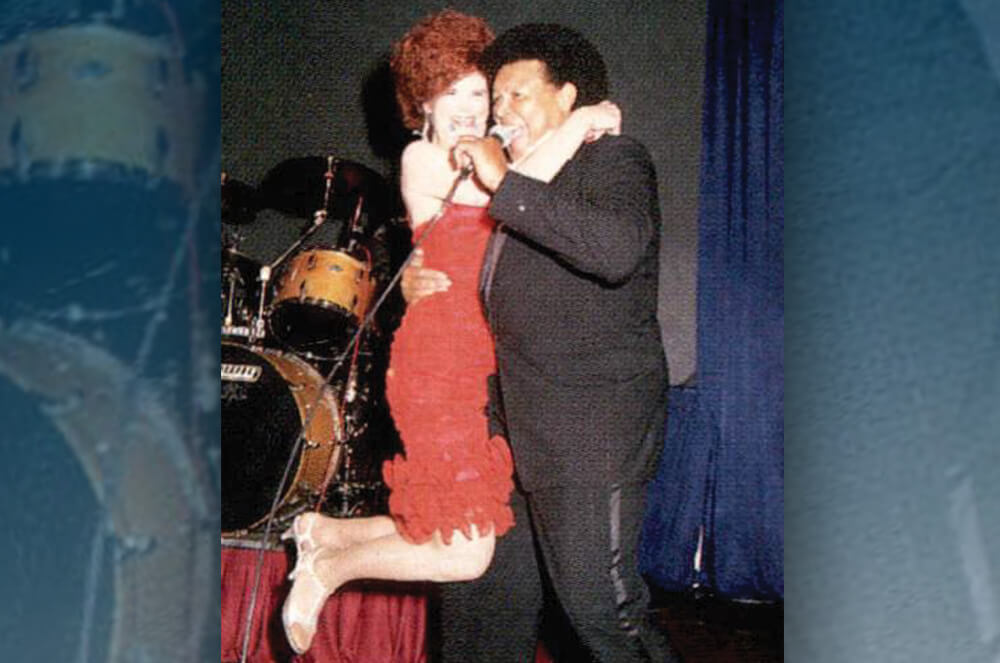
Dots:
(569, 289)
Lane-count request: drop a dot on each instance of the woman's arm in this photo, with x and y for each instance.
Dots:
(426, 177)
(422, 178)
(585, 124)
(417, 182)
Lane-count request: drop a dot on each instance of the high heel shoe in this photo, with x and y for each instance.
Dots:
(300, 621)
(300, 614)
(301, 532)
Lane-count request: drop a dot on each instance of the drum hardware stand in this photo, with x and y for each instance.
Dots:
(349, 394)
(228, 321)
(351, 390)
(332, 467)
(352, 229)
(319, 218)
(331, 168)
(352, 386)
(296, 447)
(258, 330)
(231, 238)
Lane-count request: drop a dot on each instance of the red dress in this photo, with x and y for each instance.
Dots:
(451, 473)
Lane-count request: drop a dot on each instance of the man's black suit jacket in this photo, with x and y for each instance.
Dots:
(572, 305)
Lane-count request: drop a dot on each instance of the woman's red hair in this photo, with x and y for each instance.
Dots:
(436, 52)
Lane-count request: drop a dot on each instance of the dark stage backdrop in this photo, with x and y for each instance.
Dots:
(310, 77)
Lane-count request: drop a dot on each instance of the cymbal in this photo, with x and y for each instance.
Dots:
(297, 187)
(231, 256)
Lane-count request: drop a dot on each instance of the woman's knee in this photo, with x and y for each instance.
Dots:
(466, 558)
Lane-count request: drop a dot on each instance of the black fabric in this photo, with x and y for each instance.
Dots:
(582, 390)
(588, 537)
(581, 363)
(494, 408)
(495, 618)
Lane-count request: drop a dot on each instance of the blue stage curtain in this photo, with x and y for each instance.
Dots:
(721, 476)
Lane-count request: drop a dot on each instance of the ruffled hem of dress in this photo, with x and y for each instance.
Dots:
(427, 497)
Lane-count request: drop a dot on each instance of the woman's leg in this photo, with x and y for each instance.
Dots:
(390, 557)
(327, 532)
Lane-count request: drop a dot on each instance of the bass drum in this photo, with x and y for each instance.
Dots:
(267, 397)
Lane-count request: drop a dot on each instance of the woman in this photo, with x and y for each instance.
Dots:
(449, 493)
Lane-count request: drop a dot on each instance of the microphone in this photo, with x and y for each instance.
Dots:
(502, 133)
(499, 133)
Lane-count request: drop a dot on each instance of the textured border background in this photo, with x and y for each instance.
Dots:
(108, 363)
(893, 332)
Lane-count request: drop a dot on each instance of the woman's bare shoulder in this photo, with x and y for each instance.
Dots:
(422, 154)
(424, 169)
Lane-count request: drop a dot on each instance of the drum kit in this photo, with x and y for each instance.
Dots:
(298, 351)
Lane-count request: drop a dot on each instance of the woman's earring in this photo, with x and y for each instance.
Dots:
(426, 130)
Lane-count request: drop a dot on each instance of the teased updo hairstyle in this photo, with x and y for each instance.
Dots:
(567, 55)
(436, 52)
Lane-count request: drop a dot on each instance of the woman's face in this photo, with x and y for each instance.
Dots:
(461, 110)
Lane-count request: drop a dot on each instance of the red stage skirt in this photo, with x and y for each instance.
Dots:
(364, 623)
(371, 622)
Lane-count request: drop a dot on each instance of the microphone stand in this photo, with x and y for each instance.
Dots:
(313, 408)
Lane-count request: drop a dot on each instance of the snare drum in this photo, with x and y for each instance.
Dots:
(320, 298)
(266, 398)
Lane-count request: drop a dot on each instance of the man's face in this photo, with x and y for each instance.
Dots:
(525, 100)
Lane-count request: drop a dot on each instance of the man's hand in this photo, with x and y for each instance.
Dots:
(487, 158)
(419, 281)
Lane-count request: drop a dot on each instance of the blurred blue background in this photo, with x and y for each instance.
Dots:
(892, 356)
(892, 350)
(109, 274)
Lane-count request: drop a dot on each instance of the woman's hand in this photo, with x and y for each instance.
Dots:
(419, 281)
(598, 120)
